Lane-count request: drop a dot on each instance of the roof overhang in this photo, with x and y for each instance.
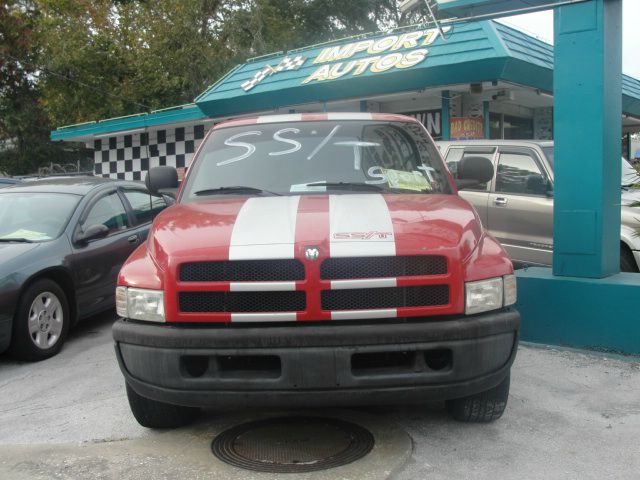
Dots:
(470, 8)
(139, 122)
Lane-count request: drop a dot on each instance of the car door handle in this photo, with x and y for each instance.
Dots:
(500, 201)
(132, 239)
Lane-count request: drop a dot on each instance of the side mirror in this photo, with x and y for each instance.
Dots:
(93, 233)
(162, 181)
(473, 171)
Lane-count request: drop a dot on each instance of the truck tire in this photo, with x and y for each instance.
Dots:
(153, 414)
(41, 321)
(627, 260)
(482, 407)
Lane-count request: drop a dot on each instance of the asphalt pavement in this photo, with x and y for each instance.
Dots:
(571, 415)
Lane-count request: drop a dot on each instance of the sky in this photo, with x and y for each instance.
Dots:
(541, 25)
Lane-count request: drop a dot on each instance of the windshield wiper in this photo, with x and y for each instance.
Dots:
(347, 185)
(232, 190)
(17, 239)
(359, 186)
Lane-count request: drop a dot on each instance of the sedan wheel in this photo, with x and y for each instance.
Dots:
(41, 321)
(46, 319)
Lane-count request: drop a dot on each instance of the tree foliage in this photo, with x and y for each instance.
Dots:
(24, 126)
(71, 61)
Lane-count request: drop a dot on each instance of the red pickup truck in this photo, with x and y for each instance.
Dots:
(317, 259)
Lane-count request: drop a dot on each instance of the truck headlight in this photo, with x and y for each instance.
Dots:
(140, 304)
(483, 295)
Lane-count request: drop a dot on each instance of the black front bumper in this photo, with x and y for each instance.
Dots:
(318, 364)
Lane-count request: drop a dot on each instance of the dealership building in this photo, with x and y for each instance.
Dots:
(481, 80)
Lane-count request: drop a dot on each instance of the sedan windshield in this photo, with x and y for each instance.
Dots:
(34, 217)
(295, 158)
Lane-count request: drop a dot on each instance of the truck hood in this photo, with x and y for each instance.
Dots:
(238, 228)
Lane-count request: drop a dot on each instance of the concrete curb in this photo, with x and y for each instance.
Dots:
(186, 454)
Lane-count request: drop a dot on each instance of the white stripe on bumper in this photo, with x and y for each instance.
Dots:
(262, 286)
(265, 229)
(364, 314)
(363, 283)
(264, 317)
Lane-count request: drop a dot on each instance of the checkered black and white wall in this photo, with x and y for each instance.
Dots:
(126, 157)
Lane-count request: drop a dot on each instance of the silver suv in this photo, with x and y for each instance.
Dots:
(517, 205)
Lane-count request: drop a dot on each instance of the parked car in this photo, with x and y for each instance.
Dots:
(316, 259)
(517, 204)
(62, 243)
(8, 181)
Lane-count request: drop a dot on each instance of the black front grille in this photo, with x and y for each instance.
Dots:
(378, 267)
(242, 301)
(367, 298)
(242, 271)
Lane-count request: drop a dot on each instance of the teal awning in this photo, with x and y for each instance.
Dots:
(472, 53)
(183, 113)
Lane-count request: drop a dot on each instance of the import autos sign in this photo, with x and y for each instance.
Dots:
(400, 51)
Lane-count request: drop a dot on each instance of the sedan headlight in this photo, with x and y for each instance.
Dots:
(491, 294)
(140, 304)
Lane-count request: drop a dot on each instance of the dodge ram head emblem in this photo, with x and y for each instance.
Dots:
(312, 253)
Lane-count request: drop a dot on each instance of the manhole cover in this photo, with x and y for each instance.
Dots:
(292, 444)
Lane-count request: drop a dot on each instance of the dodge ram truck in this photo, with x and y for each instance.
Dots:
(321, 259)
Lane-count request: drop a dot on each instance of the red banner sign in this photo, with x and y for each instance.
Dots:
(463, 128)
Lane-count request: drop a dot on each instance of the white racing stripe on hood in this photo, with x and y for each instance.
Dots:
(360, 226)
(265, 229)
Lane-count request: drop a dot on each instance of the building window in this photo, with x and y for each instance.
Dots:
(517, 127)
(510, 127)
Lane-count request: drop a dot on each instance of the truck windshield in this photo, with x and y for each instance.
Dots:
(293, 158)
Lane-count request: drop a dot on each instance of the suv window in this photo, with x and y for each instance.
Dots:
(109, 212)
(145, 206)
(519, 173)
(454, 155)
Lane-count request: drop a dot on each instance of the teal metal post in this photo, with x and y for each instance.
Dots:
(588, 108)
(363, 106)
(445, 115)
(485, 119)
